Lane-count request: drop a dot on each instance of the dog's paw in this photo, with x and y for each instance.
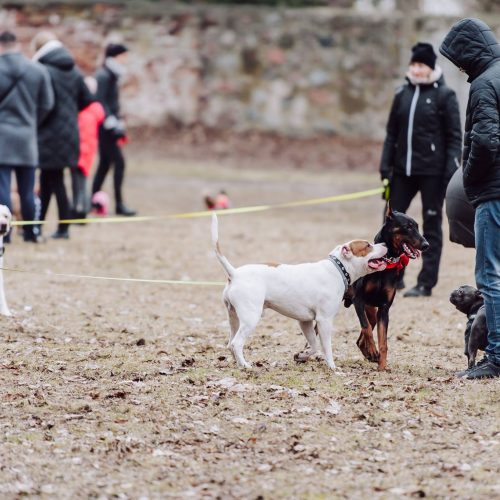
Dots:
(304, 356)
(301, 357)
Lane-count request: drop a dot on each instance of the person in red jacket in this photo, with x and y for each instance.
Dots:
(89, 121)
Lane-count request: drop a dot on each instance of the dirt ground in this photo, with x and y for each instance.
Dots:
(127, 390)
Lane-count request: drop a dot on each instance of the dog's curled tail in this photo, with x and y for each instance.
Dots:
(228, 268)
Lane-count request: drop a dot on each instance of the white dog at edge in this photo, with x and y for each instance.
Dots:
(309, 292)
(5, 223)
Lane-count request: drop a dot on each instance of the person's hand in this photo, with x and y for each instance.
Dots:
(110, 122)
(387, 189)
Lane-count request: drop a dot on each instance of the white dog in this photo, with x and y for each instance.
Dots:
(5, 222)
(309, 293)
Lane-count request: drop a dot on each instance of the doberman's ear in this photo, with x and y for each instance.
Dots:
(388, 210)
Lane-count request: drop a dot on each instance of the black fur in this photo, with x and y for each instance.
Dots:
(469, 301)
(373, 294)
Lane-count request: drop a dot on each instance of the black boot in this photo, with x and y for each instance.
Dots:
(62, 233)
(122, 209)
(418, 291)
(488, 369)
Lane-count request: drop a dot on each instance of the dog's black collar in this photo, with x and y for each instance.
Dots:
(342, 269)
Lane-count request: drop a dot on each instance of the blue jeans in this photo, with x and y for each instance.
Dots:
(25, 177)
(487, 229)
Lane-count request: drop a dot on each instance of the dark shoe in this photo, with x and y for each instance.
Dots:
(488, 369)
(60, 235)
(122, 209)
(34, 238)
(463, 373)
(418, 291)
(400, 285)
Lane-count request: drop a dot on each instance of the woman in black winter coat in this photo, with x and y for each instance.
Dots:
(421, 152)
(58, 136)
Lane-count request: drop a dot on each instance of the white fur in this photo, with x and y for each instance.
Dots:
(5, 220)
(310, 292)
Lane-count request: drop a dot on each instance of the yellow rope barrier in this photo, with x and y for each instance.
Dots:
(207, 213)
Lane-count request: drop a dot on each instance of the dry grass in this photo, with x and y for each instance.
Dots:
(87, 412)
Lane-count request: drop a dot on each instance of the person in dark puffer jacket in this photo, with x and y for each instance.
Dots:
(472, 47)
(421, 152)
(58, 137)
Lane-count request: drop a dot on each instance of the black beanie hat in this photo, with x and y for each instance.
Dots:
(115, 49)
(423, 53)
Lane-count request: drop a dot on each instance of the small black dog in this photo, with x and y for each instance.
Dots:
(373, 294)
(469, 301)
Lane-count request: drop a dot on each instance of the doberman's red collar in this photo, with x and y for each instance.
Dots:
(399, 262)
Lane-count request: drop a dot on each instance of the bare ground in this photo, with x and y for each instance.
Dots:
(126, 390)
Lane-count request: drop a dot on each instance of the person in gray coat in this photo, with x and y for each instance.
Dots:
(26, 98)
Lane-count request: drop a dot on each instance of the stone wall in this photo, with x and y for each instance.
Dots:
(292, 71)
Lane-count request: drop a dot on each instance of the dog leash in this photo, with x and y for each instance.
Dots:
(343, 271)
(112, 278)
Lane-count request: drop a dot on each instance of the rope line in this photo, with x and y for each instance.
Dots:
(208, 213)
(112, 278)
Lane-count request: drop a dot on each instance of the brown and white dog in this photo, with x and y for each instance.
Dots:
(311, 293)
(5, 224)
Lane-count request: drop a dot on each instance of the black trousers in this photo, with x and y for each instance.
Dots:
(432, 192)
(110, 154)
(52, 182)
(25, 177)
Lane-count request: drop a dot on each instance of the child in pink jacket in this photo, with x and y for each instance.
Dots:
(89, 120)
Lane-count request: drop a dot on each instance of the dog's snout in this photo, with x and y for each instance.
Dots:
(425, 245)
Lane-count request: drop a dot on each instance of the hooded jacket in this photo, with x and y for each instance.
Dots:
(424, 136)
(472, 46)
(26, 97)
(58, 137)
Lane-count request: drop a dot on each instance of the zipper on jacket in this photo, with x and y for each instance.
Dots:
(411, 118)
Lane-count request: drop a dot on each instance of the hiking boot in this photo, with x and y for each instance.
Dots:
(418, 291)
(122, 209)
(488, 369)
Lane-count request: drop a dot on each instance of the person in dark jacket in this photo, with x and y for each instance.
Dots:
(26, 97)
(421, 152)
(112, 131)
(58, 137)
(472, 47)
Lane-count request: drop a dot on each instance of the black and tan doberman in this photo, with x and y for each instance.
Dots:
(374, 294)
